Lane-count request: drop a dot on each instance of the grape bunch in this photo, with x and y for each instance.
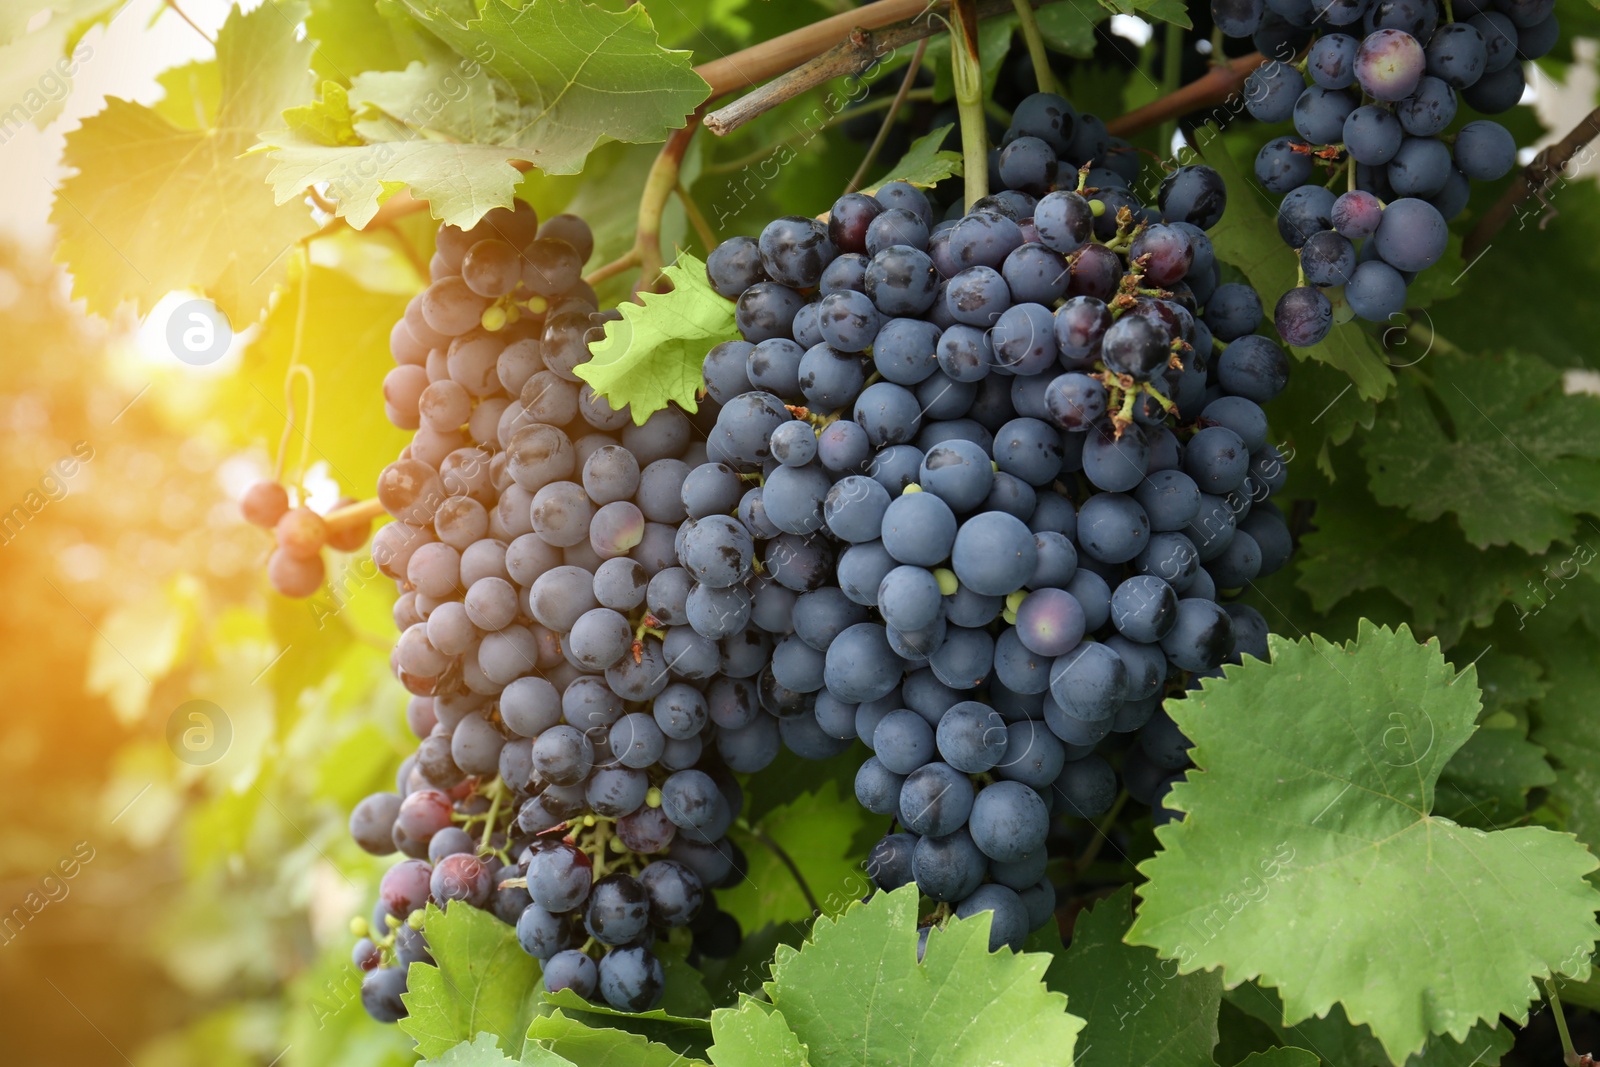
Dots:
(562, 781)
(1371, 102)
(979, 481)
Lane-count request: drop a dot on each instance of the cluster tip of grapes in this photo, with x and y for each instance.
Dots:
(1371, 177)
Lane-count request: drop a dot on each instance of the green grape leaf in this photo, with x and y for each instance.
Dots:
(1359, 546)
(855, 993)
(1530, 257)
(1069, 26)
(481, 982)
(1316, 832)
(1569, 728)
(546, 81)
(485, 1051)
(755, 1035)
(585, 1046)
(1139, 1009)
(1486, 783)
(355, 37)
(819, 831)
(1280, 1057)
(433, 127)
(925, 164)
(190, 94)
(156, 206)
(1339, 1043)
(1247, 238)
(1495, 429)
(653, 355)
(329, 121)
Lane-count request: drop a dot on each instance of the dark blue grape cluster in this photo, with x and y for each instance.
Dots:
(1373, 173)
(1001, 471)
(563, 780)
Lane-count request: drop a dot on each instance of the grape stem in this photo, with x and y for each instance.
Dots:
(1043, 75)
(626, 261)
(788, 861)
(658, 187)
(889, 117)
(1537, 180)
(350, 516)
(966, 70)
(1569, 1055)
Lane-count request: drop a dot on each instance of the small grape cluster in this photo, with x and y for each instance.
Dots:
(296, 567)
(1374, 103)
(1005, 463)
(559, 781)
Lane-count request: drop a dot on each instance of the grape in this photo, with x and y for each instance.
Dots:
(1420, 168)
(1201, 637)
(1136, 347)
(1535, 41)
(993, 553)
(971, 737)
(1376, 291)
(794, 251)
(559, 877)
(1457, 54)
(918, 528)
(1112, 528)
(550, 265)
(1271, 90)
(1254, 368)
(1411, 235)
(1193, 194)
(1303, 212)
(381, 991)
(1086, 788)
(1008, 821)
(1303, 316)
(767, 310)
(1355, 215)
(372, 822)
(1498, 90)
(631, 979)
(1284, 164)
(1331, 62)
(1484, 150)
(1320, 113)
(1238, 18)
(948, 867)
(1388, 64)
(1064, 221)
(935, 799)
(848, 221)
(571, 969)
